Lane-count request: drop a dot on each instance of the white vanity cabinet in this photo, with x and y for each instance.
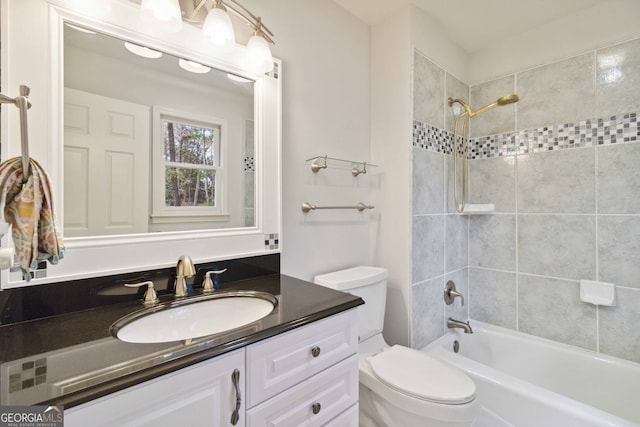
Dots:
(198, 396)
(308, 376)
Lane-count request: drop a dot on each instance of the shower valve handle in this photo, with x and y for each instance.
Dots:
(450, 293)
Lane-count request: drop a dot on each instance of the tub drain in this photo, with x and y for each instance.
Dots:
(456, 346)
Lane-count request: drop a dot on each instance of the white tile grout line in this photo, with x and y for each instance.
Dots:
(577, 281)
(595, 198)
(515, 184)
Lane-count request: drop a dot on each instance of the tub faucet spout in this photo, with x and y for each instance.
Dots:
(465, 326)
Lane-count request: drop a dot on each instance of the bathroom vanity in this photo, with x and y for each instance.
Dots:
(296, 365)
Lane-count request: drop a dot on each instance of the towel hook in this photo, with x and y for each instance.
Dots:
(23, 104)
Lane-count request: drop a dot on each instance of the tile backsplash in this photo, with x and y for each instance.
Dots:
(561, 167)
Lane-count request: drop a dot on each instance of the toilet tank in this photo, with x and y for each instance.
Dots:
(370, 284)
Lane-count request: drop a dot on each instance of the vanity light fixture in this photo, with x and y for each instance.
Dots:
(166, 13)
(217, 26)
(142, 51)
(193, 67)
(259, 56)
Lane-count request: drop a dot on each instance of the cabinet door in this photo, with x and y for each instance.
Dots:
(200, 395)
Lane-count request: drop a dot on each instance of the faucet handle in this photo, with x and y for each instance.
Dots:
(150, 296)
(207, 285)
(450, 293)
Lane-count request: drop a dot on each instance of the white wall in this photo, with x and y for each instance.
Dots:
(428, 36)
(325, 55)
(391, 148)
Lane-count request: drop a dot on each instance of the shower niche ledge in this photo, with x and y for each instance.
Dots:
(478, 209)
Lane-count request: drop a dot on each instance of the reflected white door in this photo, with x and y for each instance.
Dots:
(106, 165)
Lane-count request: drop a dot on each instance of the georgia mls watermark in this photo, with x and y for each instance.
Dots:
(31, 416)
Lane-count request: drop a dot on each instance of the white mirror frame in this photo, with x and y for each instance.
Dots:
(32, 54)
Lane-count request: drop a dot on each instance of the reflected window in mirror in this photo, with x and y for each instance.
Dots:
(188, 155)
(115, 182)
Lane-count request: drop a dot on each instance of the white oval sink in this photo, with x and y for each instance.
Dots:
(194, 317)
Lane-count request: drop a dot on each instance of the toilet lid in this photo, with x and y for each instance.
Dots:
(417, 374)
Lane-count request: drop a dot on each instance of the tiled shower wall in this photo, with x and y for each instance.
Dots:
(439, 248)
(562, 167)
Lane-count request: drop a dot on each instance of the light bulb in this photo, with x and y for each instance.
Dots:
(259, 58)
(217, 27)
(162, 15)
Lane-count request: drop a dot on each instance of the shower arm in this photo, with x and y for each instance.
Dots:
(483, 109)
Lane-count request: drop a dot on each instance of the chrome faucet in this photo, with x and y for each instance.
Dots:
(184, 268)
(452, 323)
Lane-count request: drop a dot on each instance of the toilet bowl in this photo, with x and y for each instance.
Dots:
(400, 386)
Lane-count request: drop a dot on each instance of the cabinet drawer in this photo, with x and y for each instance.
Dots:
(277, 364)
(332, 391)
(348, 418)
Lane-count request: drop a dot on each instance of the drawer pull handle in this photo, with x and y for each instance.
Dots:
(315, 351)
(235, 378)
(316, 408)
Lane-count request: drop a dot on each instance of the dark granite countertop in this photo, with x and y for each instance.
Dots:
(72, 358)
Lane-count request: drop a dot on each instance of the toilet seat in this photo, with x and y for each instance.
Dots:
(418, 375)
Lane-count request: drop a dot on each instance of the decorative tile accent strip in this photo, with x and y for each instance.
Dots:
(434, 139)
(622, 128)
(27, 375)
(271, 241)
(15, 273)
(249, 164)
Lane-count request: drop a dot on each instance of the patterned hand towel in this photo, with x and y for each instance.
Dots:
(29, 209)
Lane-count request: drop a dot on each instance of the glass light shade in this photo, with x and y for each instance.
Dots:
(142, 51)
(259, 58)
(162, 14)
(193, 67)
(217, 27)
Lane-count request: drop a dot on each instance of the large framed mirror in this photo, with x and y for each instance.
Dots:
(153, 142)
(150, 158)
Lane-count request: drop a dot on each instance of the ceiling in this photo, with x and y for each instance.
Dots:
(473, 24)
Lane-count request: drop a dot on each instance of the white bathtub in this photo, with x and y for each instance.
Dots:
(534, 382)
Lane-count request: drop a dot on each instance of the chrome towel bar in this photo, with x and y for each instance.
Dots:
(306, 207)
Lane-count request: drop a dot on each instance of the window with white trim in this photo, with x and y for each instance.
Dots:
(189, 176)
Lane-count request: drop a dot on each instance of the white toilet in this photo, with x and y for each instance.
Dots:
(400, 386)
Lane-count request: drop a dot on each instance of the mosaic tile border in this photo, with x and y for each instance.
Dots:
(27, 374)
(434, 139)
(622, 128)
(249, 164)
(271, 241)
